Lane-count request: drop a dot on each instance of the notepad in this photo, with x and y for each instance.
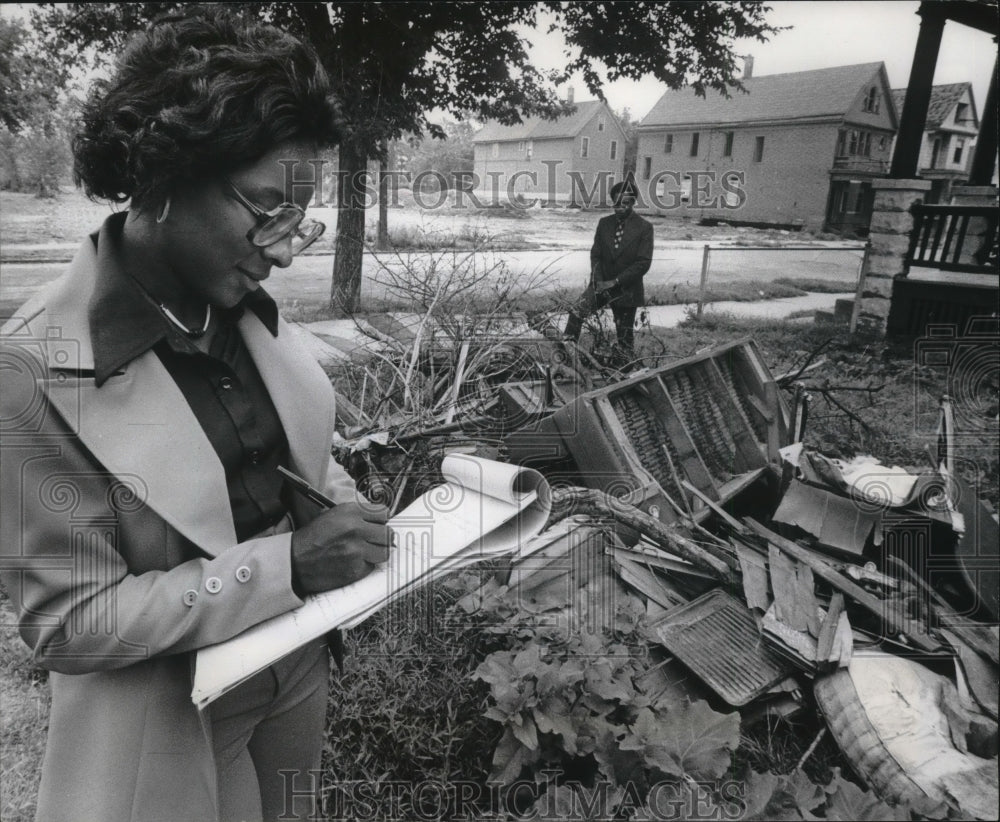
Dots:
(483, 509)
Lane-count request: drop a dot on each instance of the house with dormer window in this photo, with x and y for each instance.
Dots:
(950, 132)
(563, 160)
(804, 147)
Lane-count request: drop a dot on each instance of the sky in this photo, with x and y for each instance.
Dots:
(823, 34)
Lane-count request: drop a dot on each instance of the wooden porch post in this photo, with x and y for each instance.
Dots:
(918, 94)
(986, 146)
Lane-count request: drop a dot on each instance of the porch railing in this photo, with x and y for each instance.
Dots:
(953, 238)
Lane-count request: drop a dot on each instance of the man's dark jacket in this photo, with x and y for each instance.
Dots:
(629, 263)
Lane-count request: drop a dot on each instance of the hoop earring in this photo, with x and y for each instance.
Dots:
(164, 211)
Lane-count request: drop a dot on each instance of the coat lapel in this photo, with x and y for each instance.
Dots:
(138, 424)
(300, 391)
(141, 428)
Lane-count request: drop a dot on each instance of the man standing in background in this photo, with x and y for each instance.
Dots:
(619, 259)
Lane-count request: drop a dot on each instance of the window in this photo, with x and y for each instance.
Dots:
(881, 143)
(584, 146)
(852, 146)
(871, 102)
(758, 149)
(694, 144)
(531, 148)
(868, 144)
(959, 148)
(961, 112)
(686, 189)
(520, 145)
(841, 142)
(668, 144)
(614, 149)
(600, 124)
(647, 167)
(859, 201)
(727, 150)
(935, 152)
(496, 150)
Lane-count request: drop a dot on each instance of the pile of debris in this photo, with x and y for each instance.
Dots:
(772, 576)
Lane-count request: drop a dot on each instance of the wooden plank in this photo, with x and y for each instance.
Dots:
(648, 584)
(776, 433)
(887, 612)
(824, 644)
(729, 520)
(975, 636)
(794, 594)
(753, 569)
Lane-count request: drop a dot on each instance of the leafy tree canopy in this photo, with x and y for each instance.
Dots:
(394, 62)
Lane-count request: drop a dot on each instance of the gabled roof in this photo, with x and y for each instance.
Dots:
(943, 100)
(797, 95)
(536, 128)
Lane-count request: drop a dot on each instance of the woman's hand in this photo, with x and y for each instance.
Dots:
(339, 547)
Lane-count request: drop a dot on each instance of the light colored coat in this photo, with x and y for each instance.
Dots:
(119, 550)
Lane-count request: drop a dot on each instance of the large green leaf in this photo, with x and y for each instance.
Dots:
(510, 757)
(689, 739)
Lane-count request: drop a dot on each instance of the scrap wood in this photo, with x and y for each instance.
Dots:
(828, 632)
(794, 646)
(645, 553)
(977, 637)
(794, 592)
(717, 561)
(650, 585)
(980, 675)
(754, 571)
(886, 611)
(731, 521)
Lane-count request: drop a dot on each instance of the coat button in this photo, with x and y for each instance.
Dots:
(226, 383)
(256, 457)
(213, 585)
(243, 573)
(190, 595)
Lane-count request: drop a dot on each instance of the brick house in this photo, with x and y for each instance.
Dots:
(949, 136)
(565, 159)
(807, 143)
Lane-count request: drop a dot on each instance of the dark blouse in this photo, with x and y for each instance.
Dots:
(223, 387)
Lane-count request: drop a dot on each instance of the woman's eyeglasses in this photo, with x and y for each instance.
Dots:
(275, 225)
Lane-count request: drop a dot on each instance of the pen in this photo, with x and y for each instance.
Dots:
(306, 489)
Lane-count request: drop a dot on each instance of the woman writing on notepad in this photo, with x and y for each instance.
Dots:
(149, 397)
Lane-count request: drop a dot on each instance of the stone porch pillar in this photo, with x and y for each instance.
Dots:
(890, 238)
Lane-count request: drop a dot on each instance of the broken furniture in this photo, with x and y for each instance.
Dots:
(713, 421)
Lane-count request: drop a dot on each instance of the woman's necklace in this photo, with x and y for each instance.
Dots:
(192, 334)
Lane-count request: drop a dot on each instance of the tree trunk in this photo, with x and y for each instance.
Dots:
(352, 183)
(382, 239)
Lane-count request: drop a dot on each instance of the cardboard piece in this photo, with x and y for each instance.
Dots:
(837, 522)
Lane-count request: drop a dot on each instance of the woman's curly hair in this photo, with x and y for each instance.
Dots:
(198, 96)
